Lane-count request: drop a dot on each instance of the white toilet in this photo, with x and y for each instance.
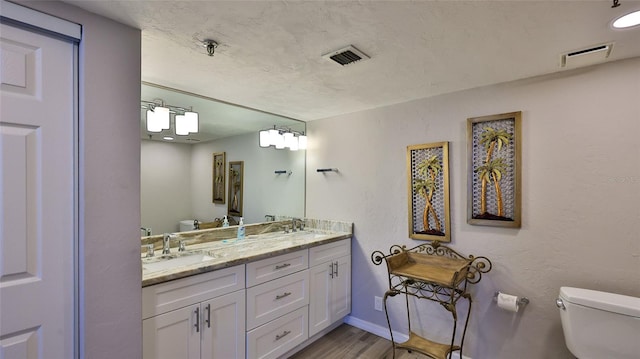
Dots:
(600, 325)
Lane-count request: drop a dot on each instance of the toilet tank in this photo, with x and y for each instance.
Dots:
(187, 225)
(600, 325)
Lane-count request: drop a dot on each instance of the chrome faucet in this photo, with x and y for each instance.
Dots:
(293, 224)
(146, 231)
(269, 217)
(166, 243)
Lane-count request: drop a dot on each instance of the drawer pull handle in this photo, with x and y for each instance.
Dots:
(336, 274)
(284, 334)
(283, 266)
(286, 294)
(197, 325)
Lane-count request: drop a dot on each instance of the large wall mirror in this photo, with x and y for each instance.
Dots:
(177, 175)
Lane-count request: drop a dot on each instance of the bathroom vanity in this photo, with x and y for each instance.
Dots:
(260, 297)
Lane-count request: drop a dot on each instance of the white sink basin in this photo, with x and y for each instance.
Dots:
(154, 265)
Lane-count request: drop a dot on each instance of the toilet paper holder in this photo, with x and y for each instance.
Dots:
(522, 301)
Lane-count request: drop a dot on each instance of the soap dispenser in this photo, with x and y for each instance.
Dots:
(241, 229)
(225, 223)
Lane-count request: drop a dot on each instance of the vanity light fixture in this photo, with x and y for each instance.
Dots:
(282, 138)
(159, 118)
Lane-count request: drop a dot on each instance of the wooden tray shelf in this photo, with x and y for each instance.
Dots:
(421, 267)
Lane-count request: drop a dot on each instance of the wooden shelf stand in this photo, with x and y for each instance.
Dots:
(434, 272)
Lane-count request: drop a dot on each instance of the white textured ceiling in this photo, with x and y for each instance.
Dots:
(270, 53)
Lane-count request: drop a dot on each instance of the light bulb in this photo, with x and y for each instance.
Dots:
(161, 115)
(279, 142)
(265, 138)
(302, 142)
(294, 144)
(192, 121)
(182, 128)
(288, 139)
(152, 124)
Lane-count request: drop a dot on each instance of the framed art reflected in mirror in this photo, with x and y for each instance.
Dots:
(219, 165)
(236, 174)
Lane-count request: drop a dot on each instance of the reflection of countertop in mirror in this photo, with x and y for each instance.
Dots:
(204, 256)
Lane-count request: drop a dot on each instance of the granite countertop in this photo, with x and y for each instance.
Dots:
(221, 253)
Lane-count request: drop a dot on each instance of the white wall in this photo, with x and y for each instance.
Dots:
(581, 190)
(110, 275)
(165, 177)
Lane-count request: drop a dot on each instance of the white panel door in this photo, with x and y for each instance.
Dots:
(36, 198)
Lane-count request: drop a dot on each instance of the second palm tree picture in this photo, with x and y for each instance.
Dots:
(494, 170)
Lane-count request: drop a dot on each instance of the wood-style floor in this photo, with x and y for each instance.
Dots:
(347, 342)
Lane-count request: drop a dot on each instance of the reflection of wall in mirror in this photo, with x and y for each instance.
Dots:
(176, 181)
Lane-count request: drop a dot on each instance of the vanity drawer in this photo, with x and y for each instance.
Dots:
(279, 336)
(329, 251)
(267, 301)
(164, 297)
(276, 267)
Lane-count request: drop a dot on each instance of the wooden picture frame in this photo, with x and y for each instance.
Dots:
(219, 179)
(494, 170)
(428, 189)
(236, 182)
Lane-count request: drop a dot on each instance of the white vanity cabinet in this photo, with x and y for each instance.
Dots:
(202, 316)
(264, 309)
(330, 284)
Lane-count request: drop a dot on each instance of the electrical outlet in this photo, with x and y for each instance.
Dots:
(377, 303)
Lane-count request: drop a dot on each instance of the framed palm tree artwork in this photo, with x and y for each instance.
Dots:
(494, 170)
(218, 184)
(236, 183)
(428, 187)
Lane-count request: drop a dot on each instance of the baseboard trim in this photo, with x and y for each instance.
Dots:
(384, 332)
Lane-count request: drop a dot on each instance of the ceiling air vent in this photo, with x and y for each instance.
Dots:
(586, 57)
(346, 56)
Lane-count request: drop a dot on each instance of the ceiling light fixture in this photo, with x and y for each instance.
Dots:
(159, 118)
(282, 138)
(627, 21)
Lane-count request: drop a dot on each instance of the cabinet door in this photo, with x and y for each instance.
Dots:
(172, 335)
(320, 283)
(330, 299)
(223, 327)
(341, 289)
